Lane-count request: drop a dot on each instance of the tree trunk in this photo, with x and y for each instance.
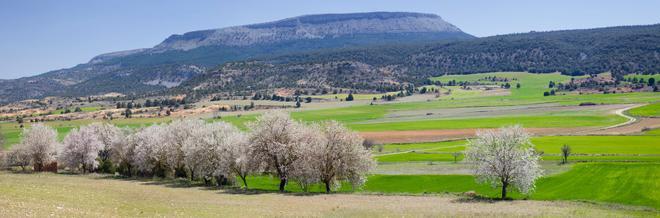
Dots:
(327, 187)
(504, 185)
(282, 184)
(244, 178)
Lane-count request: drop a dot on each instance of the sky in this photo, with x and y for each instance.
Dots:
(37, 36)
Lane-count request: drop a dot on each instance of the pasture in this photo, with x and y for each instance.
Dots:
(650, 110)
(584, 148)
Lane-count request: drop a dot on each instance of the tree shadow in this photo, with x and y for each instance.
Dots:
(480, 199)
(186, 183)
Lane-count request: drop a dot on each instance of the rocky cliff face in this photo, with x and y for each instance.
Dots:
(310, 27)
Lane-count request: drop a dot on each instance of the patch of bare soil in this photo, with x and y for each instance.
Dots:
(633, 128)
(453, 134)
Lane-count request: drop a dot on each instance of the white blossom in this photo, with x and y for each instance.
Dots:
(200, 150)
(504, 158)
(80, 149)
(177, 133)
(235, 155)
(150, 151)
(122, 151)
(108, 135)
(273, 140)
(18, 156)
(306, 169)
(41, 143)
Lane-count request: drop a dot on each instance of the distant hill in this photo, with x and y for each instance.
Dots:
(181, 57)
(620, 50)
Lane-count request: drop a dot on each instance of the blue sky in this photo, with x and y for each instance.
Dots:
(39, 36)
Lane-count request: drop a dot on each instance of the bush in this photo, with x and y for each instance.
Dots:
(587, 104)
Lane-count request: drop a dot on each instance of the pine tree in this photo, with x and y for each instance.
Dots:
(350, 97)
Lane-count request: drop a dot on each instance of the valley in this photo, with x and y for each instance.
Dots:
(222, 121)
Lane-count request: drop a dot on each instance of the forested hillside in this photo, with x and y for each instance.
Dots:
(620, 50)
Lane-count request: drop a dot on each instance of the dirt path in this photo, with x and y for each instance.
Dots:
(632, 126)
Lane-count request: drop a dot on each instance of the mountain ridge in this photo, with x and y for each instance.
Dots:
(180, 57)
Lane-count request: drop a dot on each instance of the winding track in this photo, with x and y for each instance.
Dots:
(620, 113)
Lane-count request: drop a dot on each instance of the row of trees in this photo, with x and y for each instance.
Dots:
(321, 153)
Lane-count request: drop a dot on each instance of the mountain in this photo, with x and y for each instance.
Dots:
(620, 50)
(182, 57)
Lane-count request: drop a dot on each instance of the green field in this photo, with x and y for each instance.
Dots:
(651, 110)
(624, 183)
(584, 148)
(530, 84)
(530, 92)
(494, 122)
(645, 77)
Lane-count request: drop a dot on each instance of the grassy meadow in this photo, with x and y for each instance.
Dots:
(584, 148)
(650, 110)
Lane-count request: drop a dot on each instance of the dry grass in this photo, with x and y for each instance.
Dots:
(42, 195)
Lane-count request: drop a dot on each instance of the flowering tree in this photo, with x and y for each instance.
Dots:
(343, 156)
(18, 156)
(122, 151)
(40, 142)
(200, 150)
(177, 133)
(235, 154)
(80, 149)
(108, 135)
(504, 158)
(150, 154)
(306, 169)
(273, 140)
(331, 153)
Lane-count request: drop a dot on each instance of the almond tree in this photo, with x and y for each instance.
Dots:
(108, 135)
(80, 149)
(345, 155)
(236, 158)
(18, 156)
(150, 153)
(274, 141)
(504, 158)
(40, 142)
(340, 155)
(122, 151)
(306, 169)
(177, 133)
(200, 149)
